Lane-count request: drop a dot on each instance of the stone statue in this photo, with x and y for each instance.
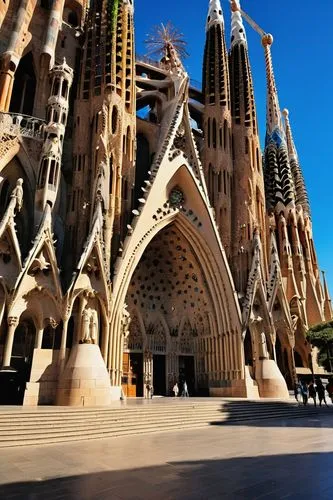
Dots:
(85, 338)
(125, 321)
(17, 193)
(263, 346)
(93, 327)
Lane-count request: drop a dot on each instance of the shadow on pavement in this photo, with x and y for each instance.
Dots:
(293, 476)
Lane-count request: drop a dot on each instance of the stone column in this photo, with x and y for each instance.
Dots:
(62, 351)
(39, 338)
(105, 338)
(12, 324)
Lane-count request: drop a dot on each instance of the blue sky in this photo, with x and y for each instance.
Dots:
(302, 55)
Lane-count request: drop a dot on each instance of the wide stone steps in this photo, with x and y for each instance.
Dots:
(23, 427)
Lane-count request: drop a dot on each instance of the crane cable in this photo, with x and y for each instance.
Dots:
(251, 22)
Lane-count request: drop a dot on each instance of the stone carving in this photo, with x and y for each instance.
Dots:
(125, 321)
(89, 326)
(17, 194)
(39, 264)
(263, 346)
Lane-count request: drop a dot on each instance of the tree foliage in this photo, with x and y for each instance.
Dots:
(321, 334)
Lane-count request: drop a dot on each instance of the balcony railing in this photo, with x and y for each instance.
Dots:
(17, 125)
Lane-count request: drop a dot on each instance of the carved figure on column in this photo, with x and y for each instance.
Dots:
(264, 354)
(93, 327)
(85, 338)
(17, 194)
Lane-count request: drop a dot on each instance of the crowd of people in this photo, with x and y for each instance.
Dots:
(312, 389)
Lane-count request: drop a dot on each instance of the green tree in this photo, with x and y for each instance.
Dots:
(321, 336)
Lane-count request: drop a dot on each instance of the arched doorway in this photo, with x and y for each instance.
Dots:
(167, 286)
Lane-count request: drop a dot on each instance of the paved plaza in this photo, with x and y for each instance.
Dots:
(269, 459)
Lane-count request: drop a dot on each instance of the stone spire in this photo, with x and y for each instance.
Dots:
(278, 177)
(217, 121)
(215, 70)
(248, 200)
(273, 117)
(215, 14)
(242, 95)
(300, 188)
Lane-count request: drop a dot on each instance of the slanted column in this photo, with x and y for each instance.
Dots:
(12, 324)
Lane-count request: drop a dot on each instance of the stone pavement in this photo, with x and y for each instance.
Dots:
(269, 459)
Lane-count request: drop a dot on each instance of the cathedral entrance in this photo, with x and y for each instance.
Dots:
(171, 318)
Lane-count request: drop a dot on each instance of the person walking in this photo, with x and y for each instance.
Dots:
(175, 390)
(185, 393)
(313, 392)
(329, 389)
(304, 392)
(321, 392)
(297, 390)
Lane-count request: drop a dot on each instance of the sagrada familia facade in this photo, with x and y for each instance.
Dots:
(145, 237)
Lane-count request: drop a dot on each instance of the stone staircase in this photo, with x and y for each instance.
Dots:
(45, 425)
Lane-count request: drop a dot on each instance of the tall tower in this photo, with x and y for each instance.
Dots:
(105, 115)
(289, 215)
(217, 121)
(248, 200)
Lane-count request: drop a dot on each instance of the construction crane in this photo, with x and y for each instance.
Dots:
(235, 6)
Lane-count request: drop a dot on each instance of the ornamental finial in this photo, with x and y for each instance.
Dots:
(215, 14)
(237, 26)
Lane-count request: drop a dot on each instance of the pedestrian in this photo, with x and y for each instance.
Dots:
(329, 389)
(151, 391)
(185, 393)
(321, 392)
(297, 390)
(304, 392)
(175, 390)
(313, 392)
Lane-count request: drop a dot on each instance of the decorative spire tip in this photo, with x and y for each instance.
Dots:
(267, 39)
(215, 14)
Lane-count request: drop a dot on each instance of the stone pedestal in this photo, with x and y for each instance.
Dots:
(85, 380)
(270, 381)
(240, 388)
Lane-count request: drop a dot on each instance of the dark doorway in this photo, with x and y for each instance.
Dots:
(21, 362)
(248, 349)
(159, 375)
(24, 88)
(186, 372)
